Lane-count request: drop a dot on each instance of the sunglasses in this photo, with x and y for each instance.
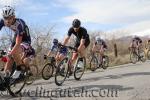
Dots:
(8, 18)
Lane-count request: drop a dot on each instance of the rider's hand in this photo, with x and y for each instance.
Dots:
(10, 56)
(45, 56)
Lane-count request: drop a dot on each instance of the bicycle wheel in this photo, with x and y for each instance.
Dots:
(148, 54)
(32, 74)
(79, 68)
(47, 71)
(62, 71)
(94, 63)
(105, 62)
(15, 87)
(133, 57)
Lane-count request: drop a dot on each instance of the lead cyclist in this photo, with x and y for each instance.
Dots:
(21, 50)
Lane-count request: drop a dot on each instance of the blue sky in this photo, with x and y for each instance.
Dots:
(105, 15)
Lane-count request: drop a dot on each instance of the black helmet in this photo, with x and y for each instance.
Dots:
(55, 41)
(76, 23)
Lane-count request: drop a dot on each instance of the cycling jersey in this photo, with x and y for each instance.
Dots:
(20, 28)
(81, 34)
(101, 43)
(137, 40)
(56, 48)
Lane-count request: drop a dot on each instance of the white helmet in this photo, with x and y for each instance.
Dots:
(8, 11)
(97, 38)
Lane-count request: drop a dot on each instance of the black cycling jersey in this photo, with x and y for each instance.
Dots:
(81, 34)
(20, 28)
(137, 39)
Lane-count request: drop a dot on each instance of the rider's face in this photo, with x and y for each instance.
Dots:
(9, 20)
(76, 29)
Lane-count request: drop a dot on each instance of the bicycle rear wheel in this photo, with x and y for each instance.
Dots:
(62, 71)
(47, 71)
(79, 71)
(94, 63)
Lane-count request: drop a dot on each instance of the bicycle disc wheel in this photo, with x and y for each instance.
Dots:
(93, 63)
(79, 71)
(32, 74)
(62, 71)
(47, 71)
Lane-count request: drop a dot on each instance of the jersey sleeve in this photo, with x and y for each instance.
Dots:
(1, 24)
(85, 35)
(70, 31)
(21, 28)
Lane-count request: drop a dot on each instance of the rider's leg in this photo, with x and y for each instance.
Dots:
(57, 58)
(18, 55)
(17, 58)
(101, 54)
(8, 66)
(27, 61)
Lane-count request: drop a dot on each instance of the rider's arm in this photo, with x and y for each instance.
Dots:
(1, 24)
(70, 31)
(82, 42)
(94, 46)
(49, 53)
(18, 39)
(84, 37)
(66, 40)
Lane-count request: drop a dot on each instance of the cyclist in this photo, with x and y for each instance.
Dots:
(21, 43)
(57, 51)
(136, 43)
(82, 39)
(99, 46)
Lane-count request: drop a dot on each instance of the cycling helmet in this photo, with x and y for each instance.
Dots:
(97, 38)
(76, 23)
(8, 11)
(55, 41)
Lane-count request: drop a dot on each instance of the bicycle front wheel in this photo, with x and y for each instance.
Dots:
(133, 57)
(47, 71)
(16, 86)
(79, 68)
(62, 71)
(105, 62)
(94, 63)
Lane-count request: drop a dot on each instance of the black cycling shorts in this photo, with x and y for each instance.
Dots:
(86, 44)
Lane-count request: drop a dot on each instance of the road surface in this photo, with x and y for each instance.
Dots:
(125, 82)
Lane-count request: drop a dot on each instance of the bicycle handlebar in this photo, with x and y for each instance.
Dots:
(69, 47)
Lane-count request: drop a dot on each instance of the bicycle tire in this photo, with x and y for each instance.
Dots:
(59, 73)
(76, 71)
(49, 66)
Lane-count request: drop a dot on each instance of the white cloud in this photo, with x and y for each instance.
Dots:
(108, 11)
(133, 13)
(10, 2)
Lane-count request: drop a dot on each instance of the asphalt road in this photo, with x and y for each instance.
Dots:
(125, 82)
